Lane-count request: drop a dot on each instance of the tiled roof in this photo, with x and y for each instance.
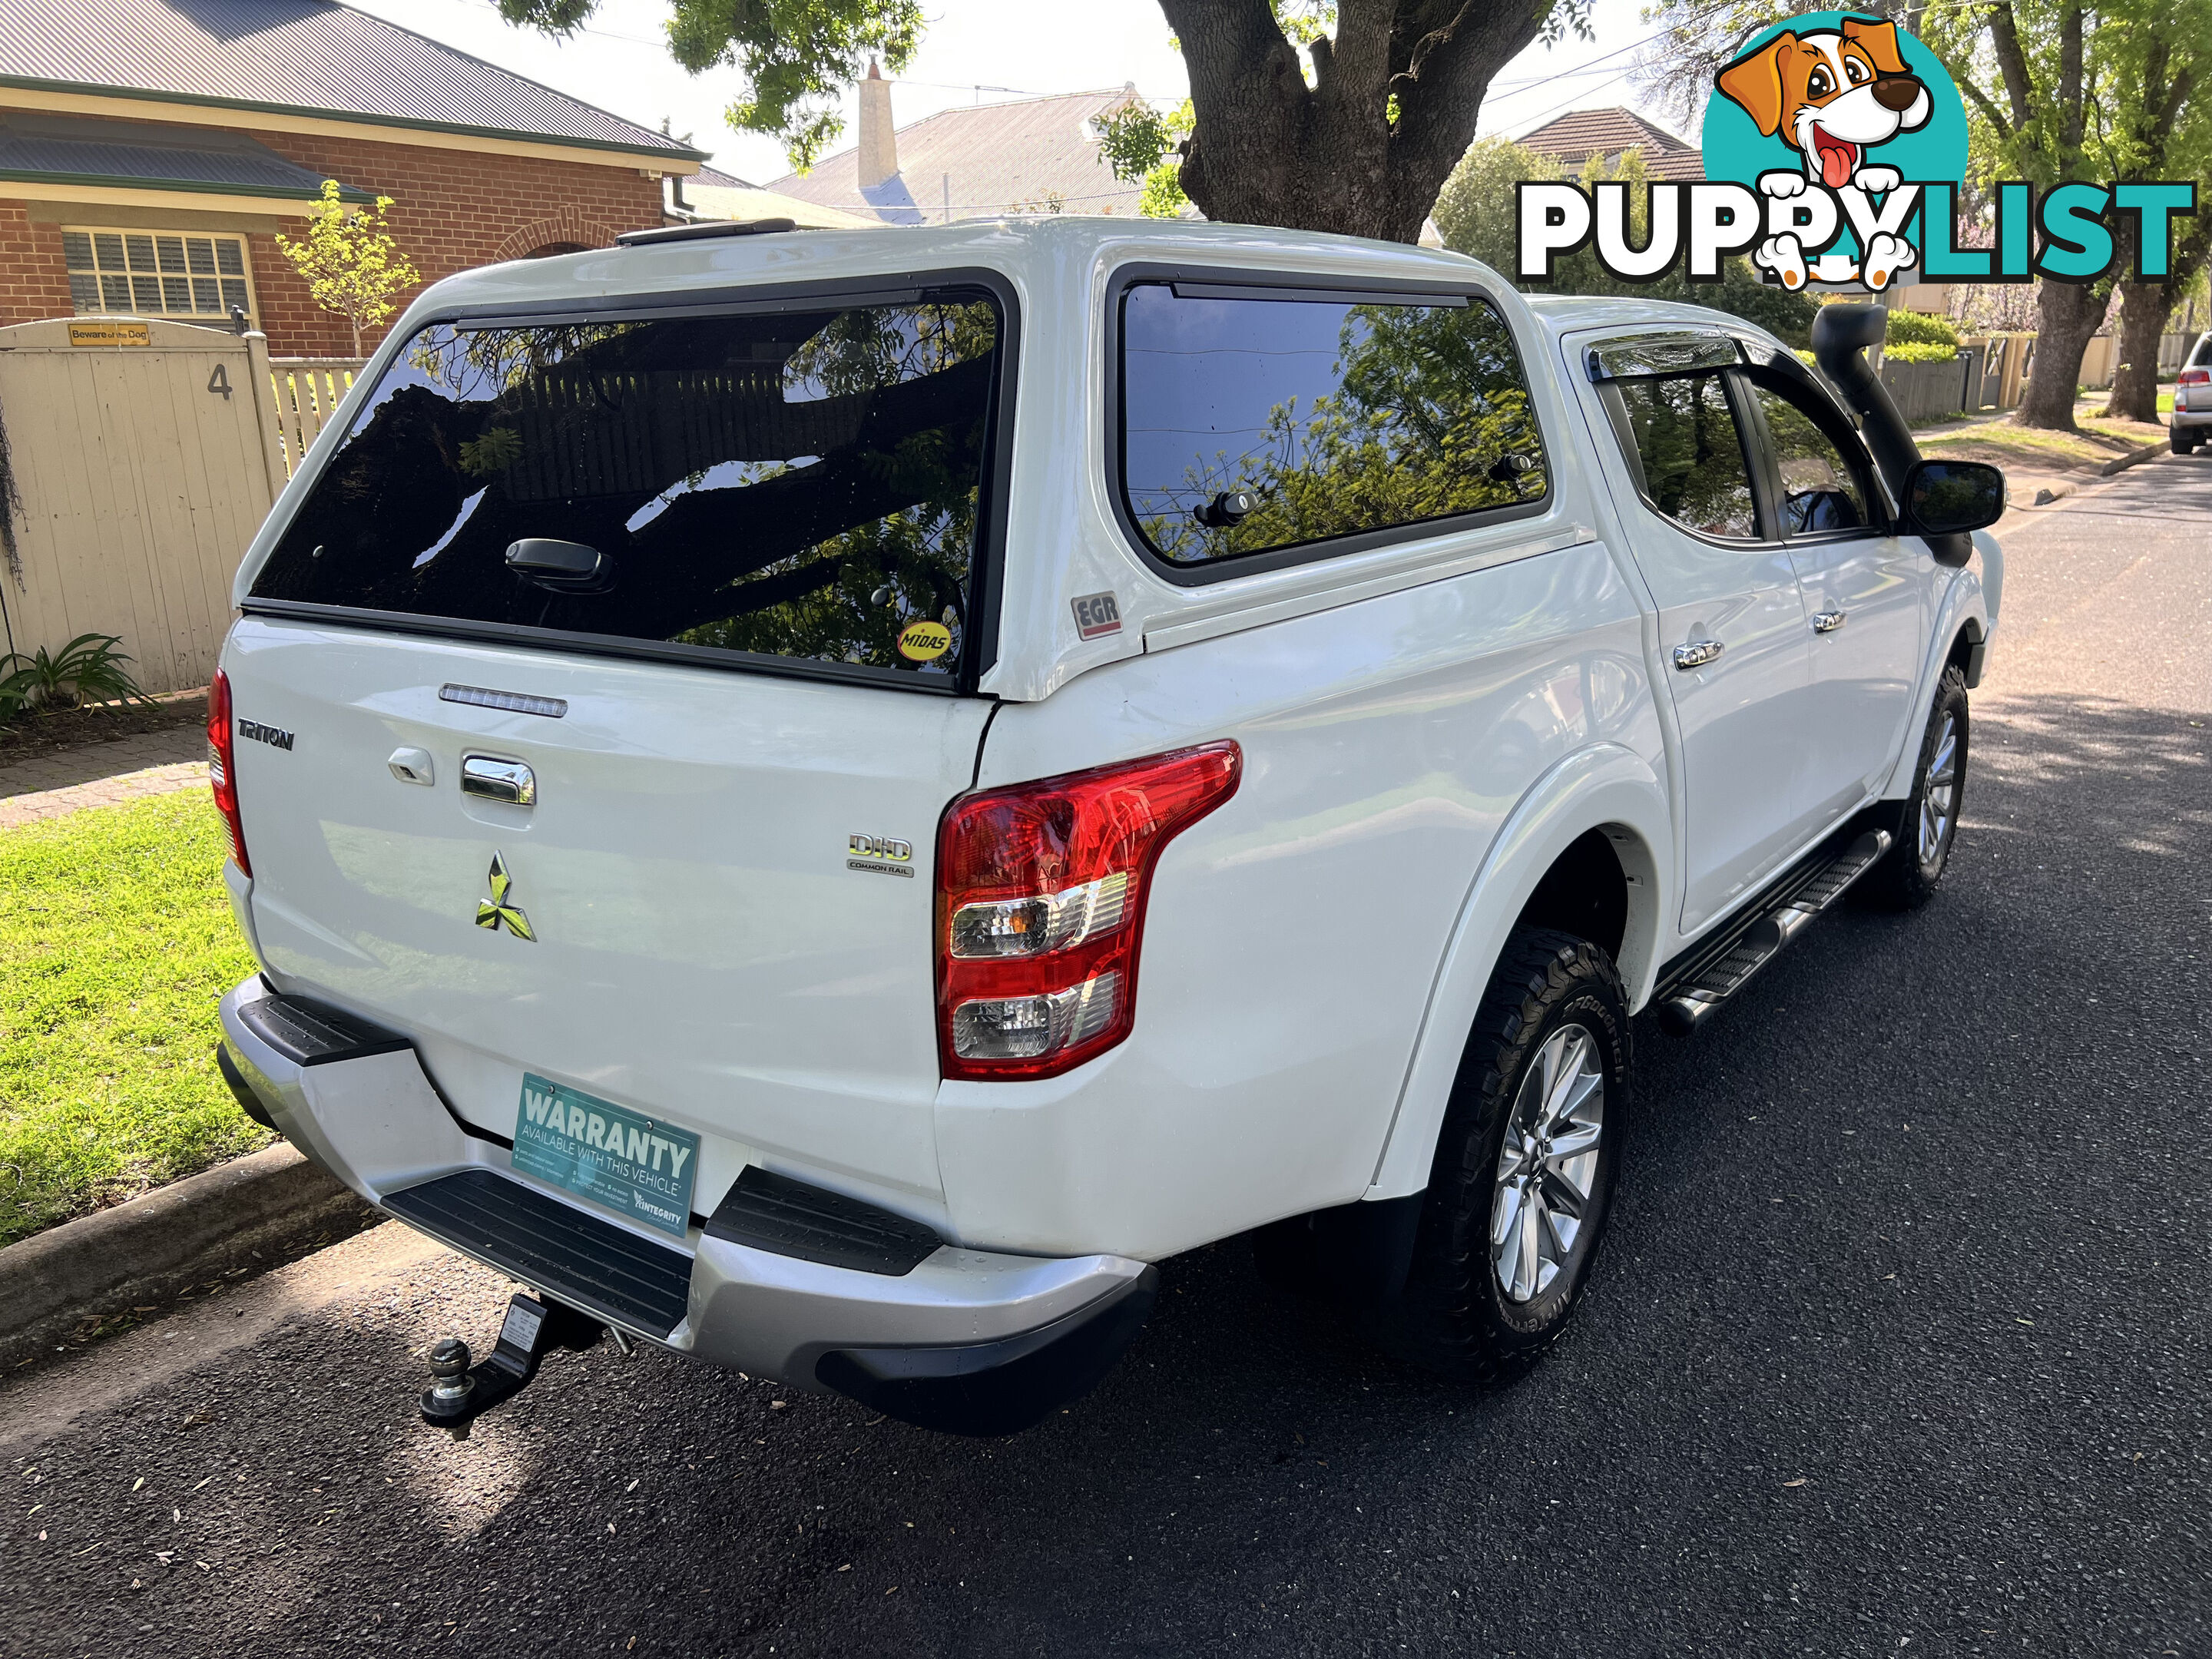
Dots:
(1576, 137)
(293, 55)
(66, 150)
(981, 162)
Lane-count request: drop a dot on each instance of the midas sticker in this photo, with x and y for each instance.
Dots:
(924, 641)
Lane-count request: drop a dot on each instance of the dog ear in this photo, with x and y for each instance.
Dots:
(1879, 37)
(1755, 82)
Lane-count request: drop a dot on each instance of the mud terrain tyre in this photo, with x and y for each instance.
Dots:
(1515, 1213)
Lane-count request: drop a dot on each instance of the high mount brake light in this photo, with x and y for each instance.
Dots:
(1040, 892)
(222, 771)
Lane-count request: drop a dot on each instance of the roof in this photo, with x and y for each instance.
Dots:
(744, 203)
(61, 150)
(294, 56)
(992, 159)
(1576, 137)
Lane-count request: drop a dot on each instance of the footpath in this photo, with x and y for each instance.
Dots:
(48, 786)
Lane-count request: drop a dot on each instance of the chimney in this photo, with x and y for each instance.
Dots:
(878, 147)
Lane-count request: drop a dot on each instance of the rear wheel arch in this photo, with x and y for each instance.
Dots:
(1602, 806)
(1602, 887)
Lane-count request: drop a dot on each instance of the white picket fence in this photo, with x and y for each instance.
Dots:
(307, 390)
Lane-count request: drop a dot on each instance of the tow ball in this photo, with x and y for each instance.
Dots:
(459, 1391)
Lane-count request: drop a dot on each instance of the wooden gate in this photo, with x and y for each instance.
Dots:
(145, 455)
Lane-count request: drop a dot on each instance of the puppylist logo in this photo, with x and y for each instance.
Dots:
(1833, 146)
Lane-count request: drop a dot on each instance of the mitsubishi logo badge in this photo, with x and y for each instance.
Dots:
(496, 910)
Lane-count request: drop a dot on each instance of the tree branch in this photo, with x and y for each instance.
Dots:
(2012, 62)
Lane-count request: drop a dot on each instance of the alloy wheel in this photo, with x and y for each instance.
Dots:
(1548, 1164)
(1939, 794)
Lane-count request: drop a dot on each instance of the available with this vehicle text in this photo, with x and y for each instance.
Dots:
(825, 800)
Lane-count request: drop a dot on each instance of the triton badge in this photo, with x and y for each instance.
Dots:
(496, 910)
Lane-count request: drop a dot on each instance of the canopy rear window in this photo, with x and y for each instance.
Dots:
(796, 484)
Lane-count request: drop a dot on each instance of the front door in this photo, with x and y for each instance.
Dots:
(1867, 595)
(1734, 637)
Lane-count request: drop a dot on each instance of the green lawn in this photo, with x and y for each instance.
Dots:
(118, 941)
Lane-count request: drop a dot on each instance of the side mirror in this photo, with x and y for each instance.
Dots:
(561, 566)
(1948, 498)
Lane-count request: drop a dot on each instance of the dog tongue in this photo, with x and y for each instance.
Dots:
(1836, 165)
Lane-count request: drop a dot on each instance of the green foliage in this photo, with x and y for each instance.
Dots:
(351, 261)
(1135, 138)
(1917, 351)
(792, 56)
(1141, 142)
(1477, 214)
(119, 941)
(88, 669)
(1404, 440)
(1914, 328)
(1162, 197)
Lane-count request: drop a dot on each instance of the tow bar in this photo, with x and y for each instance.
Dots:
(460, 1393)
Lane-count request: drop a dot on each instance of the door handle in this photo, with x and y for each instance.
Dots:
(498, 780)
(1828, 622)
(1697, 654)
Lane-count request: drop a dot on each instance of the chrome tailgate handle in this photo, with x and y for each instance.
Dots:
(498, 780)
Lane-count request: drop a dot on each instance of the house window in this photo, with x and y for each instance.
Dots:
(151, 273)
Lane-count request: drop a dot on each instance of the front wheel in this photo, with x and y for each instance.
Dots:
(1913, 868)
(1524, 1177)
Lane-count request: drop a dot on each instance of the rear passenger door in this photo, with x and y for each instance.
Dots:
(1869, 592)
(1734, 636)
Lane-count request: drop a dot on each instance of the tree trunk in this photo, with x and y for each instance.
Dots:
(2144, 307)
(1268, 150)
(2067, 315)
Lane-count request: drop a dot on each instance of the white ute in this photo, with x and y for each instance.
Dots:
(824, 800)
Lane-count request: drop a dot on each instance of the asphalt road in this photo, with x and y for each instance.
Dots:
(1898, 1347)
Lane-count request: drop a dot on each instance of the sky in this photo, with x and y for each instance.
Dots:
(975, 51)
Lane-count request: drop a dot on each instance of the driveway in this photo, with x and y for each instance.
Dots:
(1898, 1346)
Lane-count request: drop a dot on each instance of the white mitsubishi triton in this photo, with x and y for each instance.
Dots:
(825, 800)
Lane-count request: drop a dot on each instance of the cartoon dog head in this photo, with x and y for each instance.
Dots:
(1832, 92)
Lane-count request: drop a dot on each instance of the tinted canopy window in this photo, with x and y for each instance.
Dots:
(1250, 425)
(799, 484)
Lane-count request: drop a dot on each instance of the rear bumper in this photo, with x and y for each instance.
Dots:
(972, 1341)
(2191, 420)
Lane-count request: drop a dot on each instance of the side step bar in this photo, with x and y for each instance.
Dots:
(1709, 983)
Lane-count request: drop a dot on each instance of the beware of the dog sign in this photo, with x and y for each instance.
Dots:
(1833, 146)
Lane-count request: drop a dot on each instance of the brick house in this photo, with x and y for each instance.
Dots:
(150, 150)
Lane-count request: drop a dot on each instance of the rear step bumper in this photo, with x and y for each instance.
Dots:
(1718, 971)
(786, 1281)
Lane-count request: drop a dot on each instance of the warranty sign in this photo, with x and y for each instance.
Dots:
(606, 1152)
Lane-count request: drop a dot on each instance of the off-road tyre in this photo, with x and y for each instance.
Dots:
(1907, 876)
(1453, 1317)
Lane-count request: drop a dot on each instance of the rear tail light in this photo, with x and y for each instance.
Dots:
(222, 772)
(2195, 377)
(1040, 892)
